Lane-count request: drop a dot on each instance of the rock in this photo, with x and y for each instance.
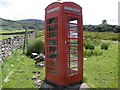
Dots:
(40, 65)
(34, 77)
(84, 85)
(34, 55)
(39, 58)
(1, 61)
(37, 82)
(7, 45)
(3, 49)
(36, 72)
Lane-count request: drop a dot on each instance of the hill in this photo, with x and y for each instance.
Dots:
(20, 24)
(31, 20)
(102, 28)
(38, 24)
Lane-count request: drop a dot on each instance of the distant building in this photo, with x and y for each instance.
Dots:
(104, 22)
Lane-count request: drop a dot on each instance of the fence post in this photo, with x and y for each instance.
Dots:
(25, 40)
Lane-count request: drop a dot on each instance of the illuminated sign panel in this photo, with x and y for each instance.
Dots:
(71, 9)
(53, 9)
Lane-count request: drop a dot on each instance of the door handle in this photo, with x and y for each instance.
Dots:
(66, 42)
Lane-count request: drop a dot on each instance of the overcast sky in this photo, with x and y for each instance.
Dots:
(94, 11)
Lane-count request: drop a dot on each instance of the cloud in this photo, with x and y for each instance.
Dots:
(5, 3)
(94, 11)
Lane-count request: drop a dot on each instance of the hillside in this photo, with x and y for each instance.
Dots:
(102, 28)
(38, 24)
(21, 24)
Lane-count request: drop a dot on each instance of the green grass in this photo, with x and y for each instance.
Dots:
(99, 71)
(102, 71)
(35, 45)
(7, 31)
(101, 35)
(12, 31)
(22, 67)
(7, 36)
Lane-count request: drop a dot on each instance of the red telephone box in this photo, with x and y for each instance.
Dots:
(63, 43)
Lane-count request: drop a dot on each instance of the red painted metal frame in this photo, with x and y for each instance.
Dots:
(62, 76)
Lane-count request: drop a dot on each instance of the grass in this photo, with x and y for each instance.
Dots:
(21, 67)
(35, 45)
(7, 36)
(101, 35)
(99, 71)
(102, 71)
(12, 31)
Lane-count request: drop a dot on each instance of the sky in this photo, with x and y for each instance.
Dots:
(94, 11)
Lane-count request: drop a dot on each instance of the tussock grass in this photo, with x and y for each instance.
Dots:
(35, 45)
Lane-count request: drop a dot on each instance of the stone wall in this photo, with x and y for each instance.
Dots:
(10, 44)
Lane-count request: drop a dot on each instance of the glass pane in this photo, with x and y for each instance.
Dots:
(74, 20)
(74, 64)
(73, 71)
(52, 49)
(53, 27)
(73, 57)
(52, 70)
(52, 35)
(52, 20)
(52, 42)
(73, 27)
(52, 63)
(52, 56)
(73, 49)
(73, 34)
(73, 41)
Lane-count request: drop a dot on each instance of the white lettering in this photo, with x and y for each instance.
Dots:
(53, 9)
(71, 9)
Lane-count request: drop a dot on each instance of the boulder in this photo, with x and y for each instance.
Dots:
(36, 72)
(84, 86)
(37, 82)
(1, 61)
(34, 77)
(33, 55)
(40, 65)
(39, 58)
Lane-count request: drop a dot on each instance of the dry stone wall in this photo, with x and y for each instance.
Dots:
(10, 44)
